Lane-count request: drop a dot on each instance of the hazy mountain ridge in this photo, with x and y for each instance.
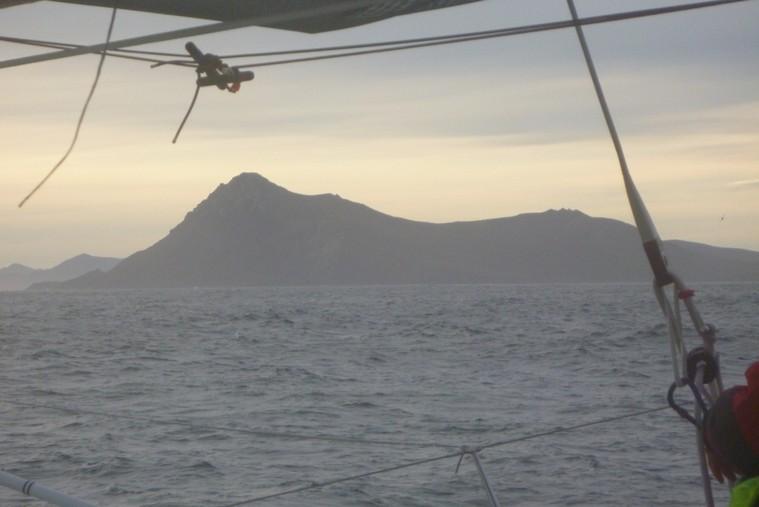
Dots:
(253, 232)
(19, 277)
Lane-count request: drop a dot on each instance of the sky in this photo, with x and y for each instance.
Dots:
(461, 132)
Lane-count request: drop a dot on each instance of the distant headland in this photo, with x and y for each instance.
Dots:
(251, 232)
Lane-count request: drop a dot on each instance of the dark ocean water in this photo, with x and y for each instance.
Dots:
(447, 365)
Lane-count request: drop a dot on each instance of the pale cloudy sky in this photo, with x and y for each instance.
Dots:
(478, 130)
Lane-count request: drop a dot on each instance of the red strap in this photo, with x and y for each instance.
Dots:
(746, 408)
(686, 293)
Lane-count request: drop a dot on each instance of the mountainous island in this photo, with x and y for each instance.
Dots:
(252, 232)
(19, 277)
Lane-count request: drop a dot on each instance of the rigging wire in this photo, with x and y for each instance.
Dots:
(84, 109)
(401, 45)
(458, 40)
(564, 429)
(409, 43)
(498, 32)
(66, 45)
(349, 440)
(118, 53)
(233, 429)
(263, 20)
(319, 485)
(652, 246)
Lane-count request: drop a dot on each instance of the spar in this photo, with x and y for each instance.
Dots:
(699, 368)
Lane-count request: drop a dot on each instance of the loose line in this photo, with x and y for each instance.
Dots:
(82, 114)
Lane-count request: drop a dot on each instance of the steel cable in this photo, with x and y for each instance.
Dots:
(466, 450)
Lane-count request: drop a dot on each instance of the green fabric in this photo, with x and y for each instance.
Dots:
(745, 493)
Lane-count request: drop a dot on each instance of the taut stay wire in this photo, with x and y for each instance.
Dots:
(463, 451)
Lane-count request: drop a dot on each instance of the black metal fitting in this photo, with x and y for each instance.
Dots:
(212, 71)
(700, 356)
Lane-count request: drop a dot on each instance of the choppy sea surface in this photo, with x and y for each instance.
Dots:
(412, 369)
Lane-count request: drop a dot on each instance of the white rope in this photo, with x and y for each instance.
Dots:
(707, 332)
(678, 314)
(677, 346)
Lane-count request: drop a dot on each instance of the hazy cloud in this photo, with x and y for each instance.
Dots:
(744, 184)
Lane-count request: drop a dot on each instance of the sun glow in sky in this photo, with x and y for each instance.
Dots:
(477, 130)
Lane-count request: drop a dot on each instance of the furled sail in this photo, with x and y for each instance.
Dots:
(230, 10)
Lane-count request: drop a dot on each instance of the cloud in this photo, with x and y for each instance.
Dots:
(744, 184)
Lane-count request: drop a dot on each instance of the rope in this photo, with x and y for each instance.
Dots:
(232, 429)
(680, 356)
(354, 4)
(463, 451)
(564, 429)
(406, 44)
(187, 114)
(341, 7)
(498, 32)
(396, 45)
(117, 53)
(696, 421)
(84, 110)
(678, 350)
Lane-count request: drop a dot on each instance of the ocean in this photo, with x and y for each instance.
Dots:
(208, 397)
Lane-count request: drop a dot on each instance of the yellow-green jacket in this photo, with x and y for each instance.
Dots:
(745, 493)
